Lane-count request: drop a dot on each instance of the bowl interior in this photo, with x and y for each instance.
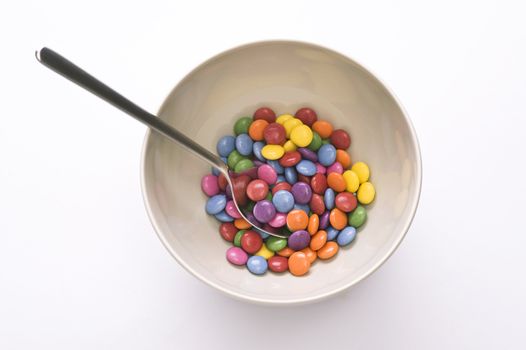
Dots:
(284, 76)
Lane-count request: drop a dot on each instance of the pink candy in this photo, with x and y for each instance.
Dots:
(236, 256)
(209, 185)
(267, 174)
(336, 167)
(232, 210)
(320, 169)
(279, 220)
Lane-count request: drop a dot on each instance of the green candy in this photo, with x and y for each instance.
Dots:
(357, 217)
(325, 141)
(269, 196)
(237, 238)
(242, 165)
(241, 125)
(250, 206)
(233, 158)
(315, 144)
(275, 243)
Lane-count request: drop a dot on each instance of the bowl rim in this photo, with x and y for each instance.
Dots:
(301, 300)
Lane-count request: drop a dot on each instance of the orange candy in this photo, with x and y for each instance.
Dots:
(318, 240)
(336, 182)
(311, 254)
(242, 224)
(299, 264)
(338, 219)
(297, 220)
(328, 251)
(286, 252)
(343, 158)
(255, 131)
(314, 223)
(323, 128)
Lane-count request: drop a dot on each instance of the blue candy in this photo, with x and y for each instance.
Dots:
(283, 201)
(346, 236)
(306, 167)
(226, 145)
(257, 265)
(304, 207)
(291, 175)
(327, 154)
(275, 164)
(215, 204)
(331, 233)
(261, 233)
(256, 149)
(328, 198)
(281, 178)
(244, 144)
(224, 217)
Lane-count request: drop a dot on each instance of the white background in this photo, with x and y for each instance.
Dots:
(81, 267)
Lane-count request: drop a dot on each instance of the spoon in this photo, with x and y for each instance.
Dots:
(67, 69)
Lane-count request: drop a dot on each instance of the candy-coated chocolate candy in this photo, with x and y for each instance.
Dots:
(272, 152)
(290, 159)
(243, 165)
(327, 155)
(255, 131)
(215, 204)
(343, 158)
(352, 182)
(318, 184)
(275, 134)
(281, 178)
(299, 265)
(223, 216)
(301, 135)
(209, 185)
(308, 154)
(289, 146)
(324, 220)
(366, 193)
(263, 235)
(267, 174)
(228, 231)
(264, 113)
(281, 186)
(251, 241)
(257, 190)
(318, 240)
(244, 144)
(328, 250)
(338, 219)
(242, 124)
(306, 167)
(242, 224)
(332, 233)
(306, 115)
(362, 170)
(277, 167)
(257, 265)
(285, 252)
(256, 149)
(302, 192)
(291, 175)
(336, 182)
(340, 139)
(278, 264)
(320, 169)
(265, 252)
(304, 207)
(335, 168)
(237, 238)
(233, 158)
(311, 254)
(240, 189)
(314, 224)
(346, 236)
(283, 201)
(231, 209)
(275, 244)
(283, 118)
(236, 256)
(316, 142)
(297, 220)
(264, 211)
(279, 220)
(345, 201)
(323, 128)
(329, 198)
(303, 178)
(317, 205)
(299, 240)
(225, 145)
(290, 124)
(357, 217)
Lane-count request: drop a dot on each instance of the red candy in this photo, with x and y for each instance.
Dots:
(306, 115)
(228, 231)
(257, 190)
(281, 186)
(275, 134)
(251, 242)
(340, 139)
(222, 182)
(303, 178)
(278, 263)
(290, 159)
(346, 202)
(318, 183)
(316, 204)
(265, 113)
(240, 189)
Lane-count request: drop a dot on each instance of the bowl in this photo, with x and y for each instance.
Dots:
(283, 75)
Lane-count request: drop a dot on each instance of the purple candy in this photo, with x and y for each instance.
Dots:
(257, 163)
(336, 167)
(279, 220)
(228, 192)
(264, 211)
(299, 240)
(308, 154)
(302, 192)
(324, 220)
(252, 219)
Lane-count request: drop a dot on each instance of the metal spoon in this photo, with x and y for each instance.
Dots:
(67, 69)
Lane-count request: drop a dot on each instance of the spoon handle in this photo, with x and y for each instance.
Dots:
(67, 69)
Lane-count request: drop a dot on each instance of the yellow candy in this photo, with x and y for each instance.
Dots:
(291, 124)
(352, 182)
(272, 152)
(265, 252)
(289, 146)
(301, 135)
(362, 170)
(283, 118)
(366, 193)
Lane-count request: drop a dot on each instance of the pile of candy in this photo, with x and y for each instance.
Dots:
(295, 178)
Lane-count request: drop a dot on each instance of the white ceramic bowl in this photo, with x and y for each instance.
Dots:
(283, 75)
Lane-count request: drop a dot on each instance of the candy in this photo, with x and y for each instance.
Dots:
(264, 211)
(316, 204)
(299, 240)
(215, 204)
(318, 240)
(275, 134)
(328, 250)
(256, 129)
(290, 159)
(346, 236)
(297, 220)
(324, 220)
(242, 165)
(251, 241)
(264, 113)
(233, 158)
(281, 186)
(283, 118)
(285, 252)
(366, 193)
(242, 224)
(306, 115)
(328, 198)
(304, 207)
(299, 264)
(267, 174)
(340, 139)
(345, 201)
(276, 243)
(278, 264)
(306, 168)
(318, 183)
(265, 252)
(257, 265)
(311, 254)
(240, 187)
(327, 155)
(314, 224)
(241, 125)
(289, 146)
(362, 170)
(320, 169)
(276, 166)
(283, 201)
(323, 128)
(343, 158)
(272, 152)
(257, 190)
(226, 145)
(237, 238)
(236, 256)
(228, 231)
(279, 220)
(291, 175)
(336, 182)
(357, 217)
(302, 192)
(301, 135)
(223, 217)
(308, 154)
(256, 149)
(303, 178)
(231, 210)
(335, 168)
(315, 143)
(244, 144)
(332, 233)
(338, 219)
(209, 185)
(290, 124)
(352, 182)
